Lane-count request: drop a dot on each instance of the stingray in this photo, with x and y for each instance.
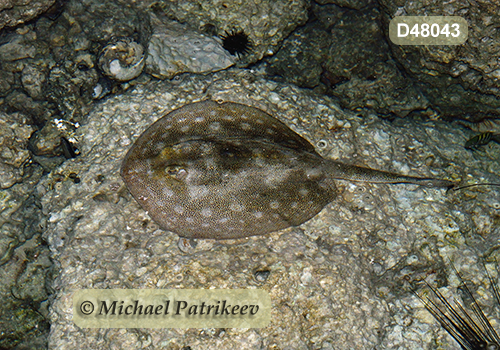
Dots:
(227, 170)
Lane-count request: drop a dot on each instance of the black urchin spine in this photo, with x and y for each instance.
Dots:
(236, 43)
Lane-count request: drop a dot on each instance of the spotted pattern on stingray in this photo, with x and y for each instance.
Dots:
(227, 170)
(223, 174)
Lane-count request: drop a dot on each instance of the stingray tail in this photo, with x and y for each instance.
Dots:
(355, 173)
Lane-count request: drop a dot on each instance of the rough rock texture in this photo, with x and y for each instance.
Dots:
(17, 46)
(100, 22)
(24, 259)
(14, 12)
(300, 58)
(25, 277)
(175, 49)
(353, 4)
(92, 26)
(14, 156)
(335, 281)
(53, 60)
(461, 81)
(265, 22)
(346, 50)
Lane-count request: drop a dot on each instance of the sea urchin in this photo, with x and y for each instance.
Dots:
(473, 331)
(236, 43)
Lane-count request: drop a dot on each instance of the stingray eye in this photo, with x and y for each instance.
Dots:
(176, 171)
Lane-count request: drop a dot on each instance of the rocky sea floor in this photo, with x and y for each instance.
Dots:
(79, 85)
(337, 281)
